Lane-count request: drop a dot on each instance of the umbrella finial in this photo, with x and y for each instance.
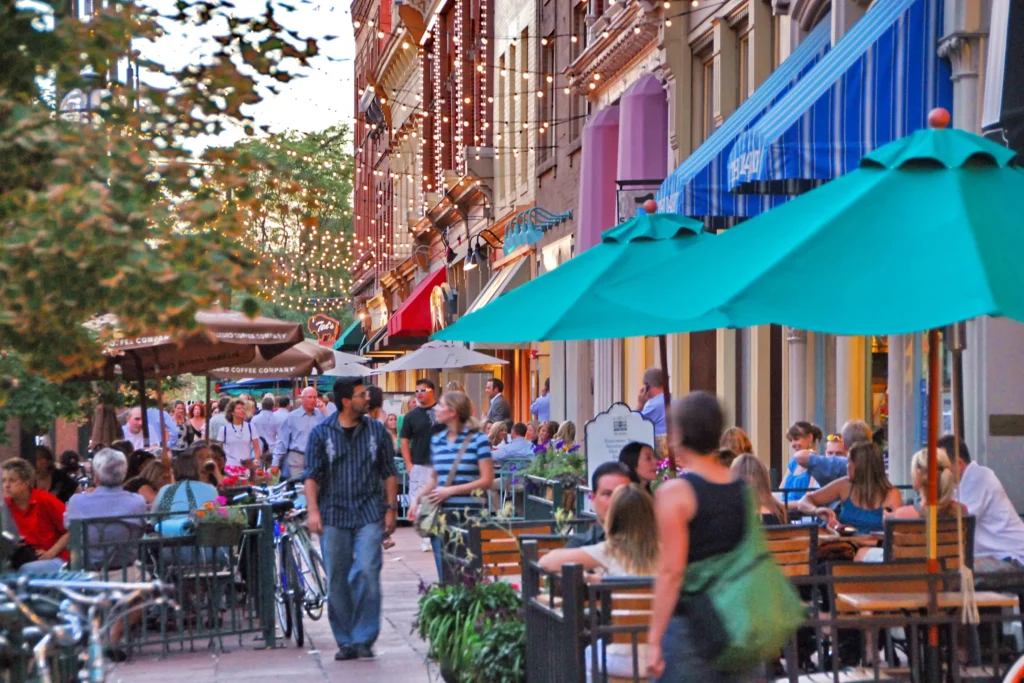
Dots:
(938, 118)
(651, 207)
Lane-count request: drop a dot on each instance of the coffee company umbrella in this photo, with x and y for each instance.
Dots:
(564, 304)
(439, 355)
(300, 360)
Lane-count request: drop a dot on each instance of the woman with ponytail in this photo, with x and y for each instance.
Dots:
(919, 478)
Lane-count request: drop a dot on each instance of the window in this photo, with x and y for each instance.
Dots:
(578, 107)
(528, 81)
(776, 41)
(743, 63)
(708, 96)
(500, 129)
(512, 98)
(546, 103)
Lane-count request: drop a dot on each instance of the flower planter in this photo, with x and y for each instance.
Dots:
(218, 535)
(447, 675)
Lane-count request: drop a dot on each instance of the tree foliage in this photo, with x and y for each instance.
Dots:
(113, 211)
(307, 244)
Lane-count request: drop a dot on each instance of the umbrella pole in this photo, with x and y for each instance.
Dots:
(206, 412)
(663, 348)
(142, 400)
(932, 651)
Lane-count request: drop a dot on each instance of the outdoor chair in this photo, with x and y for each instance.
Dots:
(907, 539)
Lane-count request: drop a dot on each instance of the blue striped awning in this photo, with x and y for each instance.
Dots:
(700, 186)
(876, 85)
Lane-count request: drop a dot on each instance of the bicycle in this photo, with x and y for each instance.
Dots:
(29, 606)
(299, 574)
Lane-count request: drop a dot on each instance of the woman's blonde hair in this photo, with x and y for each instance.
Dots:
(567, 432)
(736, 440)
(631, 530)
(495, 436)
(462, 407)
(947, 483)
(455, 386)
(753, 473)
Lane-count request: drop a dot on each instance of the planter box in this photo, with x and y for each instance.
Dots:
(218, 535)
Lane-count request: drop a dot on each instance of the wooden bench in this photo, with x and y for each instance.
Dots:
(492, 550)
(794, 547)
(907, 539)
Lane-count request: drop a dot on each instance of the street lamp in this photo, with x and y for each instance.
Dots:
(77, 105)
(476, 254)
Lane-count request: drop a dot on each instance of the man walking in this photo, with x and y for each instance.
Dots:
(266, 423)
(417, 428)
(500, 410)
(352, 500)
(294, 433)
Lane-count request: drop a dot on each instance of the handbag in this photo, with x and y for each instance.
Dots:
(428, 515)
(740, 603)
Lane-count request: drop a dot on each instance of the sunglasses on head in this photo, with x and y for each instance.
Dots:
(834, 437)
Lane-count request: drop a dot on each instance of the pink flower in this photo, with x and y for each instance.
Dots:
(220, 500)
(223, 512)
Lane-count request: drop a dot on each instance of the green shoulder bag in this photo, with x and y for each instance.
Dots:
(740, 603)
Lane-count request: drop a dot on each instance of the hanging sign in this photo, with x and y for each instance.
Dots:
(326, 328)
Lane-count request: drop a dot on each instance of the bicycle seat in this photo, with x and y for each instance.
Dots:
(282, 506)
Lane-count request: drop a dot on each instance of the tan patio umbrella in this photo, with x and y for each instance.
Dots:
(300, 360)
(441, 355)
(226, 338)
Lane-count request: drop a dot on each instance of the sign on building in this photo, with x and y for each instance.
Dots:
(326, 328)
(606, 434)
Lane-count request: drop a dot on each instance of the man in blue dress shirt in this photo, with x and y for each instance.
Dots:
(651, 399)
(541, 408)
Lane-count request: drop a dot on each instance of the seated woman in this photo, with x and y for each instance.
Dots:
(567, 433)
(136, 461)
(642, 463)
(50, 478)
(753, 472)
(497, 434)
(186, 494)
(947, 505)
(39, 517)
(155, 475)
(866, 493)
(630, 548)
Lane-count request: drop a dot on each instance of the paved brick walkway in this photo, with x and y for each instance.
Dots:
(401, 655)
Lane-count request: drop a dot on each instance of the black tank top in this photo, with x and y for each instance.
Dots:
(720, 521)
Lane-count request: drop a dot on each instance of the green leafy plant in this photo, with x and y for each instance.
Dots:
(453, 617)
(559, 461)
(499, 652)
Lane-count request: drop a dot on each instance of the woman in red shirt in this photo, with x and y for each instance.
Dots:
(39, 516)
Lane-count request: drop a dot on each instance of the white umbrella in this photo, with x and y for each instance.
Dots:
(349, 370)
(440, 355)
(342, 358)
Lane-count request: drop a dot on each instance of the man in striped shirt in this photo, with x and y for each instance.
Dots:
(352, 501)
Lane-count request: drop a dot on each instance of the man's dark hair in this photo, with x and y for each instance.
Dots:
(700, 421)
(124, 446)
(283, 401)
(222, 404)
(519, 429)
(345, 387)
(426, 383)
(947, 442)
(376, 399)
(605, 469)
(547, 384)
(497, 384)
(330, 395)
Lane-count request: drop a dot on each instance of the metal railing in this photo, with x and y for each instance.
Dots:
(565, 615)
(223, 590)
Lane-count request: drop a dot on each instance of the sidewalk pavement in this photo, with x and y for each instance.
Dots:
(401, 654)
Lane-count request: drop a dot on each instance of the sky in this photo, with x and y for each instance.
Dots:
(319, 97)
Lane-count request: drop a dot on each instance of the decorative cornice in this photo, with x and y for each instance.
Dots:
(963, 50)
(608, 55)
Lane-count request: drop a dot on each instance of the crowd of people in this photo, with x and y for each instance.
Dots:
(645, 525)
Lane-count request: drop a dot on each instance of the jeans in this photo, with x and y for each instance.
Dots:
(353, 560)
(438, 545)
(41, 566)
(684, 665)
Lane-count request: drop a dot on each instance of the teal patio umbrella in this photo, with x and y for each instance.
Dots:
(563, 304)
(927, 232)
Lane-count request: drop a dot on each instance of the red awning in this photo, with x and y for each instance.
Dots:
(412, 319)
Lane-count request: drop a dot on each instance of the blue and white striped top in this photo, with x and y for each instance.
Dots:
(444, 453)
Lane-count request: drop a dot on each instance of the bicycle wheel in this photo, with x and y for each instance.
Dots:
(312, 575)
(282, 598)
(295, 591)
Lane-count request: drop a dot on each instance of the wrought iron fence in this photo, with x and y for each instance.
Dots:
(223, 589)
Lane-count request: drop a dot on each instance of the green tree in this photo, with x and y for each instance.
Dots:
(302, 227)
(113, 211)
